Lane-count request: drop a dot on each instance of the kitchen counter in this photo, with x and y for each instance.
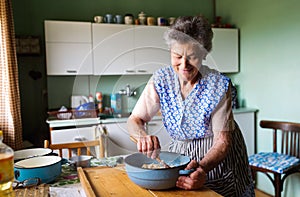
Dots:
(244, 110)
(115, 120)
(54, 123)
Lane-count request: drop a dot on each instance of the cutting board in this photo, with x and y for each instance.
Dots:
(106, 181)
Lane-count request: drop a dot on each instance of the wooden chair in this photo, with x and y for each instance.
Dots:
(77, 145)
(284, 160)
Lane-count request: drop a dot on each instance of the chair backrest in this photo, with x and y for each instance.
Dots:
(286, 135)
(77, 145)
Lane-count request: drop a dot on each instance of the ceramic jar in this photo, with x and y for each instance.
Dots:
(128, 19)
(142, 18)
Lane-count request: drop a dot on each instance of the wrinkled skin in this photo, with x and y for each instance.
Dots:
(149, 145)
(195, 180)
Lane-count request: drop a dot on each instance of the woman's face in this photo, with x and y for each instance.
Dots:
(186, 60)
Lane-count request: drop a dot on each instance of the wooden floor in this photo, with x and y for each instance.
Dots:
(261, 194)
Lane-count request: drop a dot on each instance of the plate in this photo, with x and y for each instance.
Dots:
(32, 152)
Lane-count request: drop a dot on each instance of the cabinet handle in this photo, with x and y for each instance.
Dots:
(71, 71)
(129, 71)
(79, 138)
(151, 123)
(142, 71)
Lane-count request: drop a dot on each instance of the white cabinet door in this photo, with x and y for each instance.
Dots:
(150, 49)
(112, 48)
(156, 127)
(119, 142)
(246, 122)
(72, 135)
(128, 49)
(68, 48)
(69, 59)
(224, 56)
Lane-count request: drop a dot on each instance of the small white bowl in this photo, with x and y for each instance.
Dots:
(81, 161)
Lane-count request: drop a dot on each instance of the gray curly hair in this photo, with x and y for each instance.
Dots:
(190, 28)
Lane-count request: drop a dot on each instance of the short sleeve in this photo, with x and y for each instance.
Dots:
(148, 104)
(222, 117)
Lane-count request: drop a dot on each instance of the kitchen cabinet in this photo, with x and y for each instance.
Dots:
(119, 142)
(112, 48)
(85, 48)
(72, 130)
(246, 119)
(68, 48)
(67, 135)
(150, 50)
(128, 49)
(156, 127)
(224, 56)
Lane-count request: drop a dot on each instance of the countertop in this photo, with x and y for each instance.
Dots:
(95, 121)
(87, 121)
(244, 110)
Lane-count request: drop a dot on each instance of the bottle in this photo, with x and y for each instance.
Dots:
(91, 98)
(99, 101)
(6, 169)
(116, 103)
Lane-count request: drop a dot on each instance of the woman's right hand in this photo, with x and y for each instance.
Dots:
(149, 145)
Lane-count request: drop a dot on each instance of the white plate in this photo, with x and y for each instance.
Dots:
(32, 152)
(37, 162)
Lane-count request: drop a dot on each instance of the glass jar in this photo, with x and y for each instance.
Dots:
(6, 169)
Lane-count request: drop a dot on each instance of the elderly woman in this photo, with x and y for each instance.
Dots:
(195, 103)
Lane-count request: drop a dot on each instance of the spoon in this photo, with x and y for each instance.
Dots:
(157, 158)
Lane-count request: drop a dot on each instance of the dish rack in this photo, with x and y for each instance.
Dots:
(73, 114)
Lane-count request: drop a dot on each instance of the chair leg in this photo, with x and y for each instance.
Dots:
(253, 173)
(277, 185)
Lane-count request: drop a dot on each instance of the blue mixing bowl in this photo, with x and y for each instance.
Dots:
(156, 179)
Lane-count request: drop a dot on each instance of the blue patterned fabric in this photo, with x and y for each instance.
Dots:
(273, 161)
(189, 118)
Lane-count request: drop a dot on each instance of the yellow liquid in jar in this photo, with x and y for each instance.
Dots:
(6, 175)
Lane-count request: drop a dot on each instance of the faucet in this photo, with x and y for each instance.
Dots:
(128, 91)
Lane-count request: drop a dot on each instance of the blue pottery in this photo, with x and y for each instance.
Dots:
(156, 179)
(47, 168)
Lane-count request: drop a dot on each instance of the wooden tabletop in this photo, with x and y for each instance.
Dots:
(105, 181)
(37, 191)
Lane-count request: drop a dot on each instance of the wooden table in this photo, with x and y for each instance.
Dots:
(37, 191)
(105, 181)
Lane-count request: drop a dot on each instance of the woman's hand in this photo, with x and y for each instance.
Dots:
(195, 180)
(149, 145)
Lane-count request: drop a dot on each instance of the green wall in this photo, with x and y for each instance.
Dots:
(30, 14)
(270, 65)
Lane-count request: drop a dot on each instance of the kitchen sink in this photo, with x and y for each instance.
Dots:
(122, 115)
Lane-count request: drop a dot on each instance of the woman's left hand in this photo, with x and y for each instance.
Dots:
(195, 180)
